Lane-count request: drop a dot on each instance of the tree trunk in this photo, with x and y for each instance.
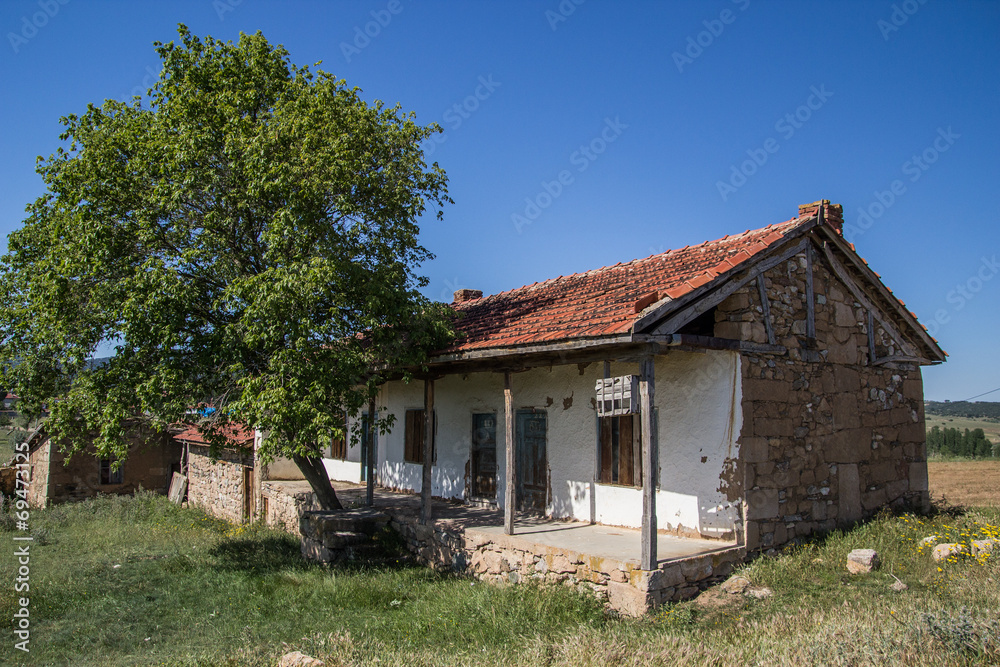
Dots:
(315, 473)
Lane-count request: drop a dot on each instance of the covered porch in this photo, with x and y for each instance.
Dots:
(604, 559)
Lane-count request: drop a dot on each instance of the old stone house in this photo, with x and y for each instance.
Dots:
(753, 389)
(54, 478)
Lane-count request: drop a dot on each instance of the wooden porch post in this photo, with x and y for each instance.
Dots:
(370, 463)
(425, 487)
(649, 464)
(511, 477)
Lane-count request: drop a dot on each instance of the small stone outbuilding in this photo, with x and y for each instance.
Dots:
(54, 477)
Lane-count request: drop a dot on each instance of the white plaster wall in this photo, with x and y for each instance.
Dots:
(698, 415)
(349, 469)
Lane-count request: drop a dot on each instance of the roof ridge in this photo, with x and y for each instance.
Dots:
(540, 284)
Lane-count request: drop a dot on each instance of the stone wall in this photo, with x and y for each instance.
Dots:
(55, 478)
(283, 509)
(502, 558)
(828, 438)
(218, 486)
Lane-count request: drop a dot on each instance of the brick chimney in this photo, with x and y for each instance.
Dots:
(833, 214)
(463, 295)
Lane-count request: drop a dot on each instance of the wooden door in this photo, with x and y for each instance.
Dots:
(532, 468)
(484, 456)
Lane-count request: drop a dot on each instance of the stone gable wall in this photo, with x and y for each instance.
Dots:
(827, 438)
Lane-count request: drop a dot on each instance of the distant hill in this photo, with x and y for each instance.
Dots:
(976, 409)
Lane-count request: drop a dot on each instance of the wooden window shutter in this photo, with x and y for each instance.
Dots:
(625, 451)
(338, 446)
(606, 450)
(413, 450)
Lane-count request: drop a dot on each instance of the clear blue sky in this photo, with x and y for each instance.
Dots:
(646, 106)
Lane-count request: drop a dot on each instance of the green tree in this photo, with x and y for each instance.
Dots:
(246, 239)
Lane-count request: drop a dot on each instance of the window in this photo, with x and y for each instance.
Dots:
(620, 450)
(413, 451)
(338, 445)
(109, 476)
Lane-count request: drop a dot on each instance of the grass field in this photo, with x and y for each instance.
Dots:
(970, 483)
(123, 581)
(990, 428)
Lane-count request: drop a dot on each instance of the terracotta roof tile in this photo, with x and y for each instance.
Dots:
(237, 435)
(602, 301)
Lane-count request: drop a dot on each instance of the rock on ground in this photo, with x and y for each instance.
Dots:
(298, 659)
(944, 551)
(861, 561)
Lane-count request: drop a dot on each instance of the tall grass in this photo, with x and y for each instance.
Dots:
(137, 581)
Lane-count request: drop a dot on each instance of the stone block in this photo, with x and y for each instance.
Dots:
(627, 599)
(846, 380)
(849, 493)
(762, 504)
(561, 564)
(754, 449)
(845, 411)
(696, 569)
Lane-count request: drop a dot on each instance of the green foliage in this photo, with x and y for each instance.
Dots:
(985, 409)
(246, 237)
(952, 442)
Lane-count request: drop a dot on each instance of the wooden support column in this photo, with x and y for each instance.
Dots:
(370, 463)
(511, 476)
(649, 464)
(425, 487)
(810, 296)
(765, 305)
(871, 338)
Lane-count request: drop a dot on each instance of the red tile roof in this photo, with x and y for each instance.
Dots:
(237, 435)
(604, 301)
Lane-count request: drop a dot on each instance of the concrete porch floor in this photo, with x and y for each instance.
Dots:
(620, 544)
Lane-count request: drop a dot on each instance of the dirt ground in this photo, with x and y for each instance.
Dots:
(970, 483)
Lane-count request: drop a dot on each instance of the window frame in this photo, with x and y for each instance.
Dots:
(609, 451)
(110, 476)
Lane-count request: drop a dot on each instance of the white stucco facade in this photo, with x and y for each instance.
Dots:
(698, 416)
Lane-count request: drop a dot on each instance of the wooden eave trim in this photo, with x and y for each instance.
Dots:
(725, 285)
(887, 296)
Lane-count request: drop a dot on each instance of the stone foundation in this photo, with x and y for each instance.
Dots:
(343, 535)
(510, 559)
(283, 509)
